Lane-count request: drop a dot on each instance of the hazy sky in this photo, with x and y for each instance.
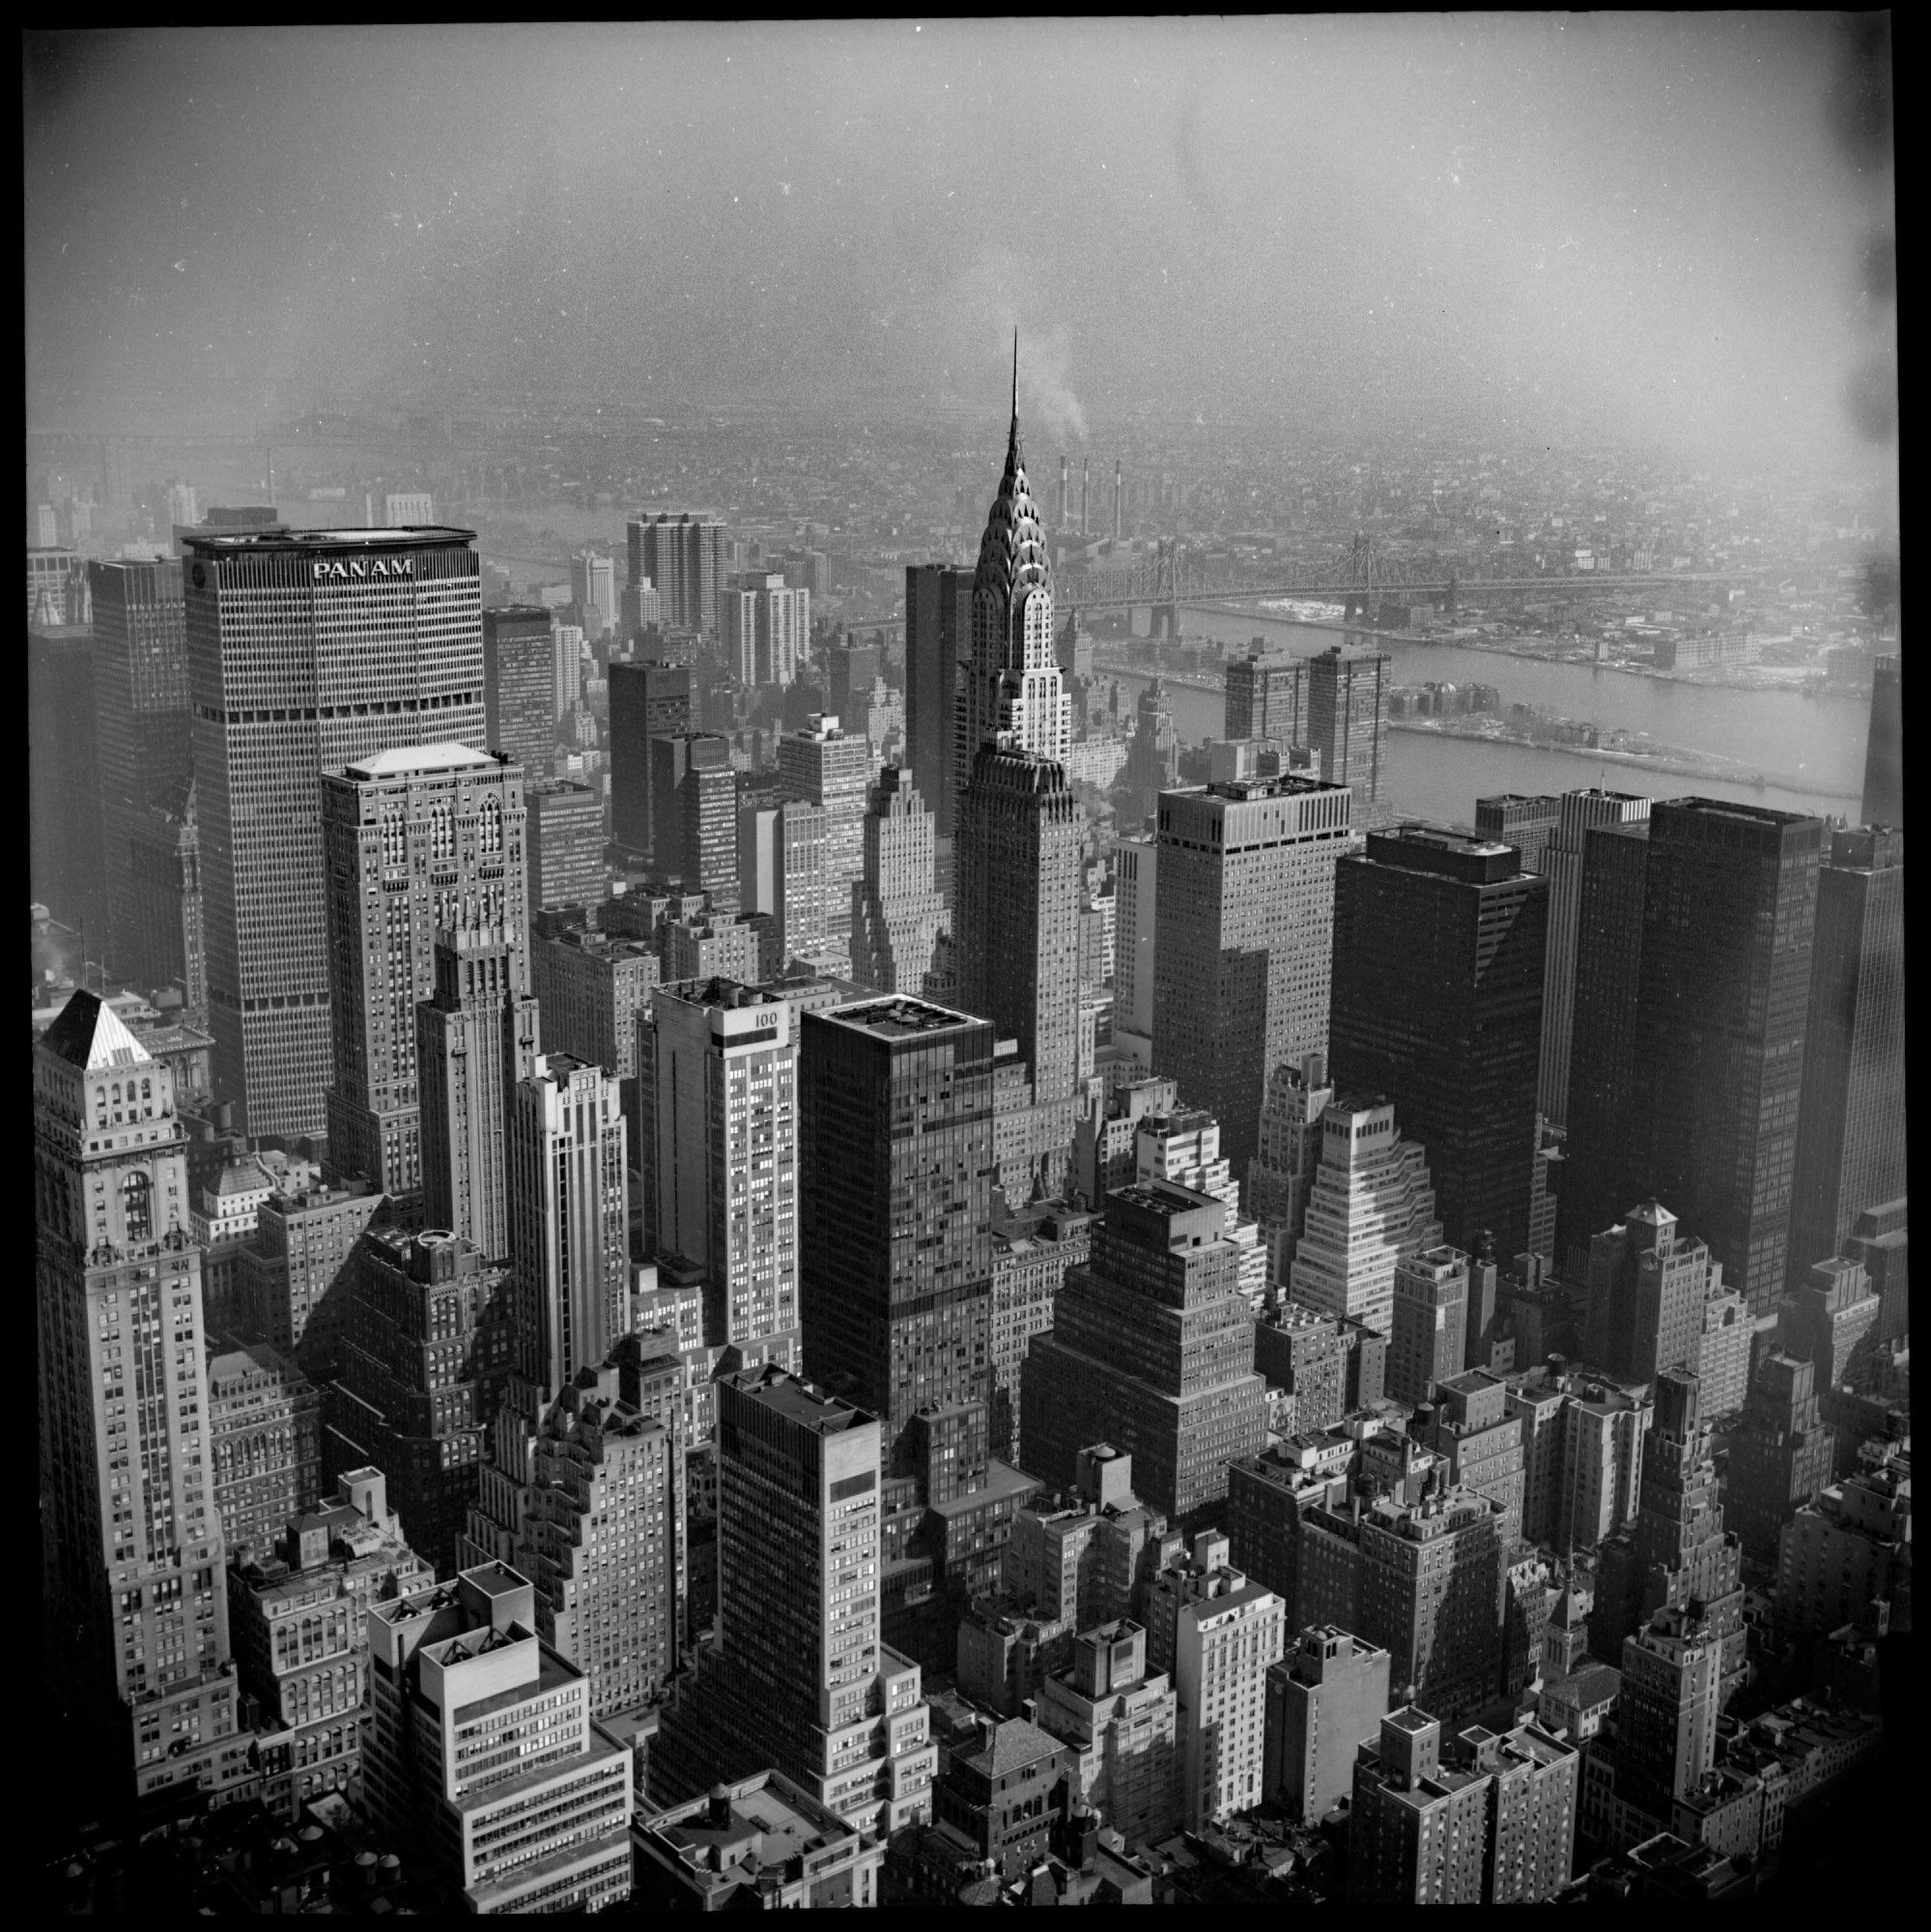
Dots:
(1644, 225)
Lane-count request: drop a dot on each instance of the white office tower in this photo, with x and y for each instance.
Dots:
(1222, 1645)
(480, 1757)
(896, 911)
(767, 628)
(1185, 1147)
(569, 1215)
(724, 1088)
(1370, 1204)
(1281, 1175)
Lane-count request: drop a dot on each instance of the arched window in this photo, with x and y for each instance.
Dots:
(138, 1216)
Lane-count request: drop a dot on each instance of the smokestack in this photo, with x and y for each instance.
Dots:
(1062, 489)
(1116, 502)
(1085, 496)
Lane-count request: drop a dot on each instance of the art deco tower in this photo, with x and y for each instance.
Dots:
(137, 1611)
(1016, 919)
(1011, 681)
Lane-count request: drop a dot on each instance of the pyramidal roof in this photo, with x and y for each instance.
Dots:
(90, 1033)
(1013, 551)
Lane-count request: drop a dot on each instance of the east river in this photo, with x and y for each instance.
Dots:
(1809, 750)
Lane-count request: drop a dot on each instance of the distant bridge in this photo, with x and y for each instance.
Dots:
(1356, 579)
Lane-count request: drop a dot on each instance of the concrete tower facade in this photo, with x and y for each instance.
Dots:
(416, 841)
(896, 911)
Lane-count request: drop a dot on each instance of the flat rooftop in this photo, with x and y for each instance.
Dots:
(800, 1403)
(231, 543)
(898, 1017)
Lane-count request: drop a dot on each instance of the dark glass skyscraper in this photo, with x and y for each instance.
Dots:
(896, 1207)
(520, 684)
(1438, 942)
(1884, 749)
(145, 725)
(306, 651)
(1850, 1127)
(649, 698)
(938, 622)
(1600, 1176)
(1729, 910)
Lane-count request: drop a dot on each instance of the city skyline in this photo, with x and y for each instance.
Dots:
(771, 1168)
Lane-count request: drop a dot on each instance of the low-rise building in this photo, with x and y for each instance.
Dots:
(760, 1842)
(1118, 1722)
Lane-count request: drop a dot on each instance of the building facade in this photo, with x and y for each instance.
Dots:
(306, 651)
(416, 841)
(1244, 939)
(1438, 942)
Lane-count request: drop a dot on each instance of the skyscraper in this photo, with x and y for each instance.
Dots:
(1600, 1178)
(306, 651)
(766, 627)
(1438, 1006)
(897, 912)
(1152, 1348)
(1647, 1286)
(569, 1219)
(144, 724)
(1348, 717)
(649, 698)
(682, 554)
(1729, 911)
(896, 1149)
(1244, 938)
(1527, 823)
(65, 863)
(1223, 1649)
(520, 685)
(1135, 939)
(564, 829)
(1667, 1708)
(1429, 1322)
(1781, 1455)
(601, 1540)
(463, 1689)
(938, 628)
(1562, 858)
(1431, 1594)
(826, 766)
(390, 825)
(725, 1077)
(797, 1678)
(1369, 1204)
(1015, 922)
(593, 591)
(133, 1590)
(1850, 1124)
(476, 1037)
(425, 1366)
(1884, 751)
(782, 877)
(1266, 696)
(1285, 1155)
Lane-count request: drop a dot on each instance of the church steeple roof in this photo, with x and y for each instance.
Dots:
(1013, 551)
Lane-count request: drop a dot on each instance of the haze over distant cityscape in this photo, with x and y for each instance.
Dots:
(967, 962)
